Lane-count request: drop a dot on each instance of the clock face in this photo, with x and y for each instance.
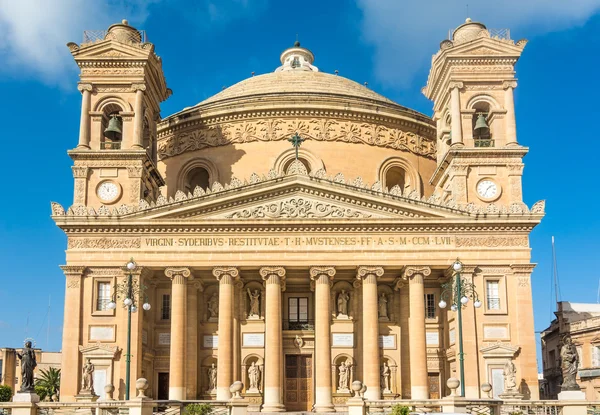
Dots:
(487, 189)
(108, 191)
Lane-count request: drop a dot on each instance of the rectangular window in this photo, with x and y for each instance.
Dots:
(493, 294)
(165, 313)
(103, 296)
(429, 306)
(595, 356)
(552, 358)
(298, 309)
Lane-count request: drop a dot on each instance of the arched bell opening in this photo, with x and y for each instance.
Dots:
(111, 127)
(197, 177)
(480, 123)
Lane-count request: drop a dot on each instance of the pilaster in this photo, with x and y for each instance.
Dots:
(194, 307)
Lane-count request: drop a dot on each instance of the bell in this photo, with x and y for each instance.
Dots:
(113, 131)
(481, 126)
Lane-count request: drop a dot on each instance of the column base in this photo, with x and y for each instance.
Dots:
(279, 407)
(223, 393)
(419, 392)
(324, 408)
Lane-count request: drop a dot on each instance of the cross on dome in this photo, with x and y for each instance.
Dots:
(297, 58)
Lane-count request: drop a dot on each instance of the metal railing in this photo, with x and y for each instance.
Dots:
(91, 36)
(298, 325)
(484, 142)
(110, 145)
(503, 34)
(532, 408)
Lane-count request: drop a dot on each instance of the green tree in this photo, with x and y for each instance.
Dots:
(198, 409)
(48, 383)
(5, 393)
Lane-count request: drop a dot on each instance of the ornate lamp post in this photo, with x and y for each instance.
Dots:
(458, 292)
(130, 291)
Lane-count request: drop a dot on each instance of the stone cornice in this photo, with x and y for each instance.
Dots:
(73, 270)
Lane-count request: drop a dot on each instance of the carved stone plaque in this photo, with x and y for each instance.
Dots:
(342, 339)
(164, 339)
(102, 333)
(432, 338)
(387, 342)
(495, 332)
(210, 342)
(252, 340)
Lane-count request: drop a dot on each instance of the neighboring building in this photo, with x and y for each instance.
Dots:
(10, 365)
(582, 323)
(308, 273)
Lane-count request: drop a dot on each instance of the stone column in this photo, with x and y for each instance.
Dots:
(191, 368)
(323, 277)
(274, 278)
(226, 277)
(416, 323)
(72, 332)
(370, 330)
(177, 356)
(84, 124)
(138, 117)
(510, 123)
(455, 88)
(401, 285)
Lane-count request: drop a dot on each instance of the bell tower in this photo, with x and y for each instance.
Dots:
(122, 85)
(471, 84)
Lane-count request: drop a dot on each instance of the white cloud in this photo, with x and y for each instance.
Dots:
(34, 33)
(406, 33)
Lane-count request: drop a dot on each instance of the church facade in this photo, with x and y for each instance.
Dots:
(295, 231)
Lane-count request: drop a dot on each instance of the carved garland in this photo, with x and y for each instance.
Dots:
(297, 208)
(282, 129)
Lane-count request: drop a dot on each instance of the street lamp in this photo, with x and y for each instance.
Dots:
(458, 293)
(130, 291)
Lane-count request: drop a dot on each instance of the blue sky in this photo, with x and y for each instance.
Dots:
(208, 45)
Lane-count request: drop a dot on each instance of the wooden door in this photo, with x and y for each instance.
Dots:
(163, 386)
(434, 385)
(298, 383)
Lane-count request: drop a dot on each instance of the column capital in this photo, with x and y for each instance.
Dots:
(456, 84)
(509, 84)
(409, 272)
(138, 87)
(522, 269)
(85, 87)
(173, 272)
(273, 275)
(197, 285)
(364, 271)
(399, 283)
(226, 275)
(317, 271)
(466, 270)
(73, 270)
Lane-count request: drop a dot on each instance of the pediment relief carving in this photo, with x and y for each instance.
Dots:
(500, 350)
(99, 350)
(298, 195)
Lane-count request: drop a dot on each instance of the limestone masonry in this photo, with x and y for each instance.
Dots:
(297, 276)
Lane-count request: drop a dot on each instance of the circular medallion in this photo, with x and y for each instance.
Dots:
(108, 191)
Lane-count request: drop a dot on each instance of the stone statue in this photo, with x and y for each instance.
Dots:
(344, 375)
(570, 364)
(254, 303)
(87, 377)
(385, 378)
(212, 378)
(254, 376)
(213, 306)
(28, 364)
(383, 312)
(510, 377)
(342, 303)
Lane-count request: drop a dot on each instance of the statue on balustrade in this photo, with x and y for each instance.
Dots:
(569, 364)
(342, 303)
(254, 303)
(28, 364)
(87, 378)
(213, 306)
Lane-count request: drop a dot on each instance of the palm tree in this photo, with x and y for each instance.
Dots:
(48, 382)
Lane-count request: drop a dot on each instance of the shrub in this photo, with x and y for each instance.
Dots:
(198, 409)
(400, 410)
(5, 393)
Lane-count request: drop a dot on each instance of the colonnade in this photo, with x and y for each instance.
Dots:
(274, 278)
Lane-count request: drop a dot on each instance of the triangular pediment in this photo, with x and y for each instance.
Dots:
(500, 350)
(297, 197)
(110, 49)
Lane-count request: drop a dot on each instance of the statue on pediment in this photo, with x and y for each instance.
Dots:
(342, 303)
(213, 306)
(254, 303)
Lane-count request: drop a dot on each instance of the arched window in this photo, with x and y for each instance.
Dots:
(198, 176)
(396, 176)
